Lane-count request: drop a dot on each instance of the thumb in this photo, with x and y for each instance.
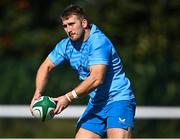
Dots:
(54, 99)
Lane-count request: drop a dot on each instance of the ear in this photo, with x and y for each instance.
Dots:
(84, 23)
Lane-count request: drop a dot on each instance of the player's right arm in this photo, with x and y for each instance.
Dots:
(42, 78)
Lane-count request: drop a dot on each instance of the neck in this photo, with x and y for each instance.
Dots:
(86, 34)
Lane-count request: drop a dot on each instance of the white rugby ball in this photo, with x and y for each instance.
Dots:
(43, 108)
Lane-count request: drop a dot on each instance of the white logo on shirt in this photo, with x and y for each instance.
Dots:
(122, 120)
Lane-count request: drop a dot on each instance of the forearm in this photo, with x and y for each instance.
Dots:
(96, 78)
(42, 76)
(85, 87)
(41, 79)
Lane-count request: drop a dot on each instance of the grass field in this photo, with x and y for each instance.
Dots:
(27, 128)
(65, 128)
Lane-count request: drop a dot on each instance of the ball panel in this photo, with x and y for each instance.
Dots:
(53, 104)
(38, 102)
(50, 113)
(37, 112)
(44, 108)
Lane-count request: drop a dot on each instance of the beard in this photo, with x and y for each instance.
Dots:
(76, 36)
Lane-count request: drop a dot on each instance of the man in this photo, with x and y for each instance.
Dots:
(111, 108)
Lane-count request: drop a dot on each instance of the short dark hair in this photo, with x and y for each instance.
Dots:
(73, 10)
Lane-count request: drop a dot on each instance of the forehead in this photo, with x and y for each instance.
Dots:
(70, 18)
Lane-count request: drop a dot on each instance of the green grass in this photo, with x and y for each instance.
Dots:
(28, 128)
(65, 128)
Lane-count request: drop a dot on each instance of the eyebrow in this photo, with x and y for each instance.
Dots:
(70, 23)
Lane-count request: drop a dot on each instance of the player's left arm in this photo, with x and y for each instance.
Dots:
(96, 78)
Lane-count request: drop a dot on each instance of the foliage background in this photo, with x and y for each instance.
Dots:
(145, 34)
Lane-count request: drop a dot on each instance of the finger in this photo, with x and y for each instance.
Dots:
(55, 111)
(59, 110)
(54, 99)
(36, 97)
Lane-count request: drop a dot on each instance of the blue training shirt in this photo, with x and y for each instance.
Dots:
(96, 49)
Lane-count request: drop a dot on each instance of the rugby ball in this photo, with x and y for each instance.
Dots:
(43, 108)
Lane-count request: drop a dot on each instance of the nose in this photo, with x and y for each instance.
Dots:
(69, 29)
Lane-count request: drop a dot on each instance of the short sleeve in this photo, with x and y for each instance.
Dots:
(57, 55)
(100, 52)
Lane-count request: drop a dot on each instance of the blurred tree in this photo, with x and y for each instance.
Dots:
(145, 34)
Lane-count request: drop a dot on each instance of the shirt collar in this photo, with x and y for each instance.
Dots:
(93, 28)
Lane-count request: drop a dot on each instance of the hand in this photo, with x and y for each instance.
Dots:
(35, 97)
(61, 103)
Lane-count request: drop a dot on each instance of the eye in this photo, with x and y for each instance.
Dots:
(71, 24)
(64, 26)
